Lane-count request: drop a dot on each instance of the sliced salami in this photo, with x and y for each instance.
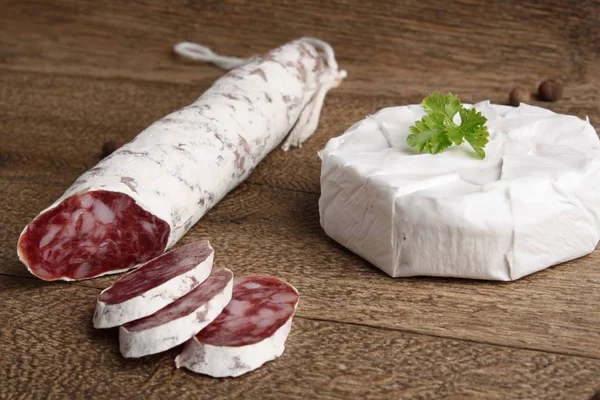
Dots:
(146, 195)
(249, 332)
(180, 320)
(154, 285)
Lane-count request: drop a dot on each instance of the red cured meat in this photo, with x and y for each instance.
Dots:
(154, 285)
(250, 331)
(215, 283)
(91, 234)
(260, 305)
(180, 320)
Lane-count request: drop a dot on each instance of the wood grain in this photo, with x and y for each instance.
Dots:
(54, 351)
(74, 74)
(7, 282)
(420, 43)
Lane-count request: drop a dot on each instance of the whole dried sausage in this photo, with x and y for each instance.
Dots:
(146, 195)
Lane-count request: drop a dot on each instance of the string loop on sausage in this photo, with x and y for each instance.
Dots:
(330, 78)
(198, 52)
(309, 117)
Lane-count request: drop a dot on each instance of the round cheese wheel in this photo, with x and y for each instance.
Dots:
(533, 202)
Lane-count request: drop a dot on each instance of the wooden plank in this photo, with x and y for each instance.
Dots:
(9, 281)
(465, 43)
(100, 71)
(259, 229)
(57, 353)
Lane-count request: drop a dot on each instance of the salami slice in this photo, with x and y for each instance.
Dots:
(180, 320)
(249, 332)
(154, 285)
(146, 195)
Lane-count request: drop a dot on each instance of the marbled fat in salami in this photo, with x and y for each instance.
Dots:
(180, 320)
(250, 331)
(154, 285)
(145, 196)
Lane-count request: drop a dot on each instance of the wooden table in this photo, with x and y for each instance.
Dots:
(76, 74)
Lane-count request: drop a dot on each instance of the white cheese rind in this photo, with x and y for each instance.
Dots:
(533, 202)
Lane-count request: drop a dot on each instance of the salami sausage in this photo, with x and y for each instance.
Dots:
(154, 285)
(180, 320)
(249, 332)
(146, 195)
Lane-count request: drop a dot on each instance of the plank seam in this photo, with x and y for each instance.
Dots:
(410, 331)
(416, 332)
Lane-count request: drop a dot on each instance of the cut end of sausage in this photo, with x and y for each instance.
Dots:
(91, 234)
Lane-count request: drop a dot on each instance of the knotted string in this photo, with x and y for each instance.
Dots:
(197, 52)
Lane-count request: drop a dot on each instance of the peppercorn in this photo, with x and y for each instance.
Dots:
(109, 147)
(550, 90)
(519, 95)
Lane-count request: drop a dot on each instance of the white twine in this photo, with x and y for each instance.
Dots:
(325, 47)
(197, 52)
(308, 120)
(309, 117)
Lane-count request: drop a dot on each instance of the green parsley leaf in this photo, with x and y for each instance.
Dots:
(475, 131)
(436, 131)
(427, 137)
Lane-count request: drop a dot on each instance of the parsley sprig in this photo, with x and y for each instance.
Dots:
(436, 131)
